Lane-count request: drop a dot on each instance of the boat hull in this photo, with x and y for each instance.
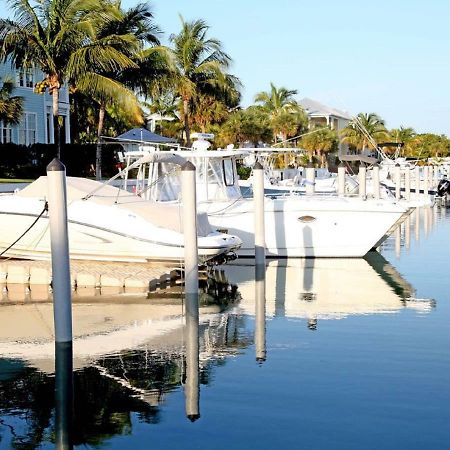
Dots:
(304, 227)
(100, 233)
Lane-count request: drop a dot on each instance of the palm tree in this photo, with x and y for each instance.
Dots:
(278, 100)
(365, 130)
(134, 25)
(60, 38)
(320, 141)
(200, 65)
(11, 107)
(286, 115)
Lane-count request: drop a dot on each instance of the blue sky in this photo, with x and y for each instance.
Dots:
(389, 57)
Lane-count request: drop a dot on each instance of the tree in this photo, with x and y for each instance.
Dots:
(320, 141)
(249, 125)
(11, 107)
(135, 27)
(200, 67)
(59, 37)
(364, 130)
(428, 145)
(286, 115)
(402, 135)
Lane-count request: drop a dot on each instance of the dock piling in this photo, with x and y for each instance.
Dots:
(376, 181)
(258, 198)
(341, 179)
(310, 179)
(362, 181)
(57, 211)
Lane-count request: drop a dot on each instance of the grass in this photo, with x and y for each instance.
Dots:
(14, 180)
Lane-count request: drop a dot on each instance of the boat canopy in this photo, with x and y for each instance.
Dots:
(362, 158)
(166, 216)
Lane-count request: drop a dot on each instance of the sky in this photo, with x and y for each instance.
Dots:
(388, 57)
(391, 57)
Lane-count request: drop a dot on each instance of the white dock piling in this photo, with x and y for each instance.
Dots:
(260, 313)
(362, 181)
(258, 198)
(341, 179)
(417, 182)
(376, 181)
(398, 181)
(57, 211)
(189, 198)
(310, 179)
(407, 184)
(426, 181)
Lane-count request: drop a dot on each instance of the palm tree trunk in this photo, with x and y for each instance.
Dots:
(56, 127)
(186, 122)
(98, 153)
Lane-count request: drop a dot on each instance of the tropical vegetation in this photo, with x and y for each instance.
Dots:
(117, 71)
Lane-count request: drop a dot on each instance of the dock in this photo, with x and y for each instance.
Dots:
(22, 278)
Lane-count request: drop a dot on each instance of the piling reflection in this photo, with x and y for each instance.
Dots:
(260, 313)
(191, 374)
(63, 395)
(178, 348)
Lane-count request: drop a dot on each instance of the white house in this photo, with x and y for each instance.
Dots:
(36, 125)
(323, 115)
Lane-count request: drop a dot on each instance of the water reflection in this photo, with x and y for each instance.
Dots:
(63, 395)
(260, 313)
(126, 365)
(324, 289)
(130, 355)
(191, 372)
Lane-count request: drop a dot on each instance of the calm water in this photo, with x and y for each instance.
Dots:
(343, 354)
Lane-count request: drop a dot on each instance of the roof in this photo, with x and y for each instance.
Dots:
(314, 108)
(144, 135)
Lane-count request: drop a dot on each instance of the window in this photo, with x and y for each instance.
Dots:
(228, 172)
(27, 129)
(25, 78)
(5, 133)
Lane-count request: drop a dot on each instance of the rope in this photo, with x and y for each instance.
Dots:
(27, 230)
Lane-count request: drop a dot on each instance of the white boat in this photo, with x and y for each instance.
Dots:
(105, 223)
(296, 226)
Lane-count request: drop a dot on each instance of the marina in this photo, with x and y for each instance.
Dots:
(367, 343)
(210, 241)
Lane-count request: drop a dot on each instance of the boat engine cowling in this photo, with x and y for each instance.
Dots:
(443, 187)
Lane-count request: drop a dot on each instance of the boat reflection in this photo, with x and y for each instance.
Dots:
(129, 355)
(322, 289)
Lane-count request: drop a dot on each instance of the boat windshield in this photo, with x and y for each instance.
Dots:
(217, 179)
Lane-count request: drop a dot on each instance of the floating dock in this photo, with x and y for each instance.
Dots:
(91, 274)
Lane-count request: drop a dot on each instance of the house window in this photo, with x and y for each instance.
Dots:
(25, 78)
(27, 129)
(5, 133)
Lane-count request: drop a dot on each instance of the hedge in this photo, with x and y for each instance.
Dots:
(30, 162)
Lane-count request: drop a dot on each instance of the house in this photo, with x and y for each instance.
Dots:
(36, 125)
(322, 115)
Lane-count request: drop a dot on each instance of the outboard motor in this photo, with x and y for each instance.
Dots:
(443, 187)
